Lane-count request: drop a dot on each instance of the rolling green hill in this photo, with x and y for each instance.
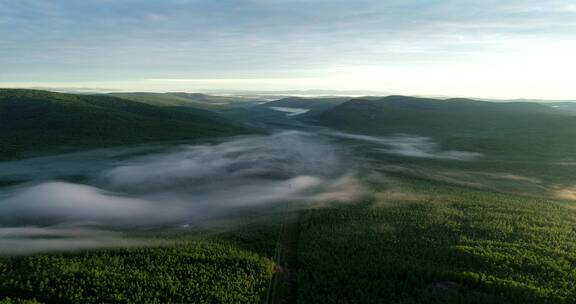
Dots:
(519, 129)
(39, 121)
(180, 99)
(563, 105)
(313, 104)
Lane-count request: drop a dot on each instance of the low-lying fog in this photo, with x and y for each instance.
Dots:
(175, 186)
(180, 184)
(62, 196)
(409, 146)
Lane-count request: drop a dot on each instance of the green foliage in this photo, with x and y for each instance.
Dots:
(528, 140)
(190, 272)
(415, 241)
(522, 131)
(37, 121)
(191, 100)
(255, 237)
(432, 243)
(18, 301)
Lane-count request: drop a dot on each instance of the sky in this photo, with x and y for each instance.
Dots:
(483, 48)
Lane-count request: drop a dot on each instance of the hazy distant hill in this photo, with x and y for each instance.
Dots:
(523, 128)
(34, 121)
(304, 93)
(563, 105)
(309, 103)
(312, 105)
(198, 100)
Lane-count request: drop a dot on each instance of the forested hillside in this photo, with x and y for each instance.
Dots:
(38, 121)
(493, 128)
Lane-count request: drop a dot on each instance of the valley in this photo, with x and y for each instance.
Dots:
(156, 199)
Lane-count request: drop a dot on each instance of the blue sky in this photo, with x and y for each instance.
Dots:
(488, 48)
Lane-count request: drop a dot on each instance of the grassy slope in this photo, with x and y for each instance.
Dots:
(425, 242)
(35, 121)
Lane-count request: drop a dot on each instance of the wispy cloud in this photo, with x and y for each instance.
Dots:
(32, 239)
(97, 40)
(410, 146)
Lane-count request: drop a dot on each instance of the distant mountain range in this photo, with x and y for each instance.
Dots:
(197, 100)
(300, 93)
(312, 105)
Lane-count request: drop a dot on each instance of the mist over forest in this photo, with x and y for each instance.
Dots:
(287, 152)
